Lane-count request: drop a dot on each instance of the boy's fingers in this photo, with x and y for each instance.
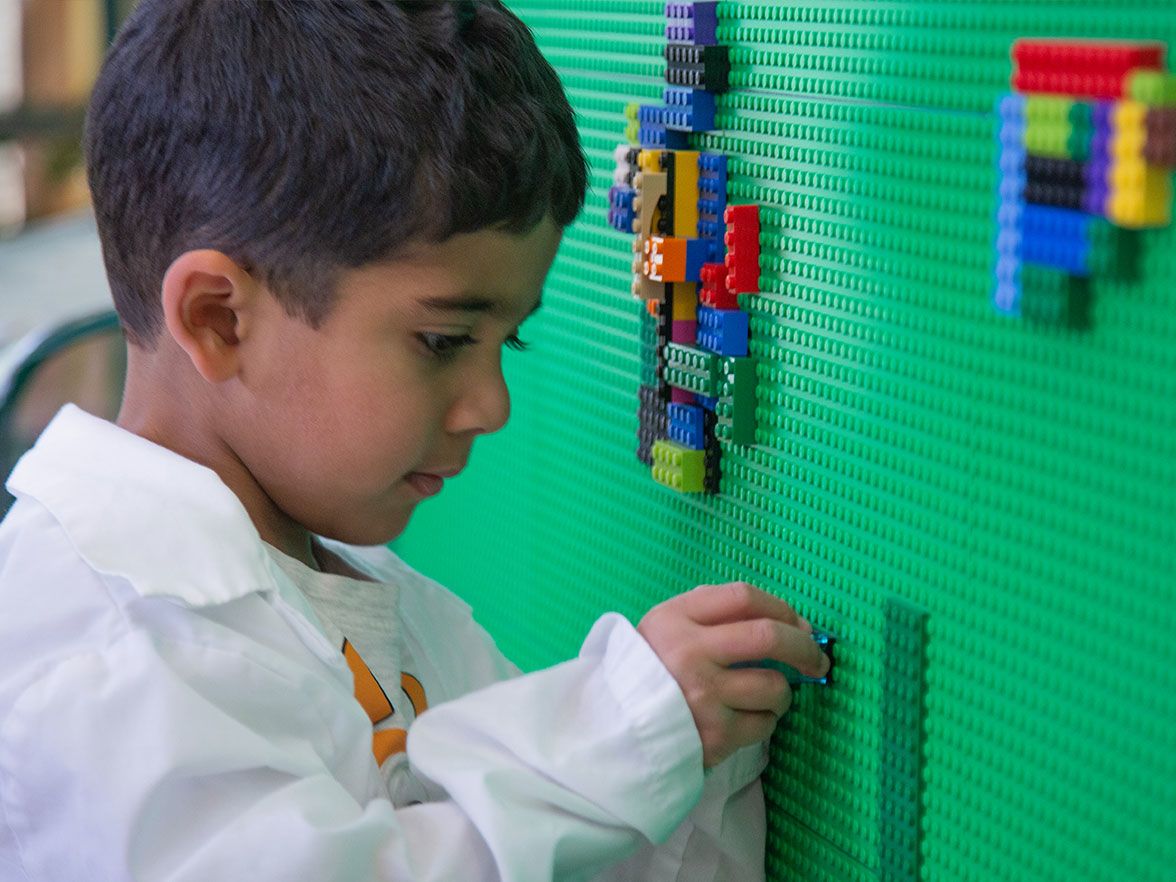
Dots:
(755, 689)
(765, 638)
(751, 727)
(734, 601)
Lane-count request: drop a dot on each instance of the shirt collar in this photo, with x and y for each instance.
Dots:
(140, 511)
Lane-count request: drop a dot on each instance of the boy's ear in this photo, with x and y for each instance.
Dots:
(208, 302)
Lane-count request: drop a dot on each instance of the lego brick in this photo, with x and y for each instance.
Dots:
(795, 677)
(1160, 147)
(678, 467)
(712, 202)
(688, 110)
(735, 408)
(681, 396)
(723, 331)
(743, 248)
(692, 22)
(654, 130)
(684, 302)
(632, 125)
(1141, 196)
(652, 422)
(686, 425)
(670, 259)
(900, 760)
(681, 168)
(1058, 127)
(1152, 87)
(1087, 56)
(712, 290)
(624, 159)
(698, 67)
(620, 208)
(712, 456)
(684, 331)
(692, 369)
(649, 203)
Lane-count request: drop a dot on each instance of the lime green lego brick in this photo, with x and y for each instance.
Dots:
(679, 468)
(1152, 87)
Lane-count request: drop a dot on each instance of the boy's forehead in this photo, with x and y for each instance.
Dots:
(488, 272)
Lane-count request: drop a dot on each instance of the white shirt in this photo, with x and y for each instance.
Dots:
(171, 708)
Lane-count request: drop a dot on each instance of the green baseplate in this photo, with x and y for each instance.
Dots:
(1014, 478)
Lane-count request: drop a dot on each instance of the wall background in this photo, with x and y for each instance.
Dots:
(1014, 477)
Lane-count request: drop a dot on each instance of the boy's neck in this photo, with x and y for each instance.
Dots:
(174, 421)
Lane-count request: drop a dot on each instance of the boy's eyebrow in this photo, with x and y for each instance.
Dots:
(472, 303)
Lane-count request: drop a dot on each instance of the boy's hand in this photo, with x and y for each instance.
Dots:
(700, 634)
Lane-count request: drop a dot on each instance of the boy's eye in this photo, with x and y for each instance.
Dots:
(445, 345)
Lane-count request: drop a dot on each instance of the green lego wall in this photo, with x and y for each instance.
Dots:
(981, 508)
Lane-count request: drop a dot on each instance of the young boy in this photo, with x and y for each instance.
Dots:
(321, 224)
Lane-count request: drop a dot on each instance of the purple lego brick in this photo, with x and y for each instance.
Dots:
(695, 22)
(684, 331)
(680, 396)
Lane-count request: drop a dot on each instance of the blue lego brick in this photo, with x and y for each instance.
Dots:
(795, 677)
(706, 403)
(686, 426)
(1056, 237)
(620, 208)
(689, 110)
(723, 331)
(695, 22)
(1061, 223)
(1064, 254)
(712, 202)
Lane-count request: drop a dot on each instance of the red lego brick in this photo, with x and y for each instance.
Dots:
(1079, 85)
(1087, 56)
(743, 251)
(713, 291)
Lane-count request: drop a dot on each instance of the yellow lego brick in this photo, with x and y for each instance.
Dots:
(684, 302)
(1129, 115)
(1142, 196)
(1127, 144)
(682, 167)
(649, 160)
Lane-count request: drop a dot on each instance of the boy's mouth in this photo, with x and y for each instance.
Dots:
(424, 483)
(430, 483)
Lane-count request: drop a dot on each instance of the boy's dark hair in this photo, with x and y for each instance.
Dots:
(302, 136)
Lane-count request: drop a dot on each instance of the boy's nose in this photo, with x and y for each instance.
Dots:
(482, 405)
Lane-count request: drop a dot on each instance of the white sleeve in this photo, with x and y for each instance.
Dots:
(184, 762)
(722, 840)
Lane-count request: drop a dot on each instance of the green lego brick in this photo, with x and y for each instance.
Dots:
(692, 368)
(1152, 87)
(678, 467)
(735, 409)
(901, 740)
